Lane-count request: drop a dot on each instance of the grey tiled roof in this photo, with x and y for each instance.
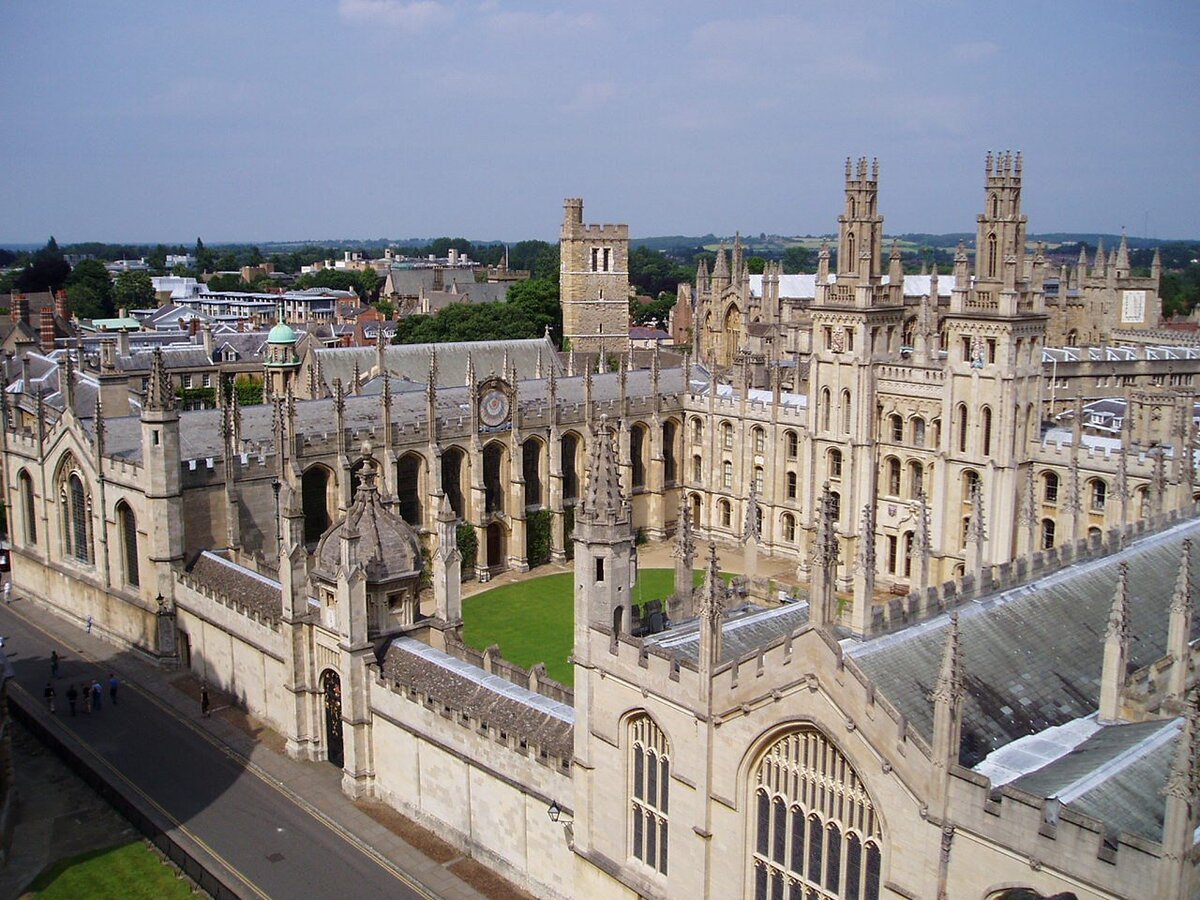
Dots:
(239, 585)
(1116, 776)
(1032, 656)
(745, 631)
(493, 700)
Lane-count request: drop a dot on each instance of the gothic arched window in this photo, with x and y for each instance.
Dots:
(726, 435)
(987, 431)
(918, 431)
(1098, 492)
(1050, 487)
(791, 444)
(650, 789)
(835, 463)
(1047, 534)
(760, 440)
(789, 528)
(815, 832)
(28, 510)
(991, 255)
(129, 543)
(75, 514)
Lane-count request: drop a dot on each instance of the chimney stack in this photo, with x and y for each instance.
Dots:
(46, 331)
(20, 308)
(62, 306)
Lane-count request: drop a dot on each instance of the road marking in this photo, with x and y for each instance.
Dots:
(117, 774)
(345, 834)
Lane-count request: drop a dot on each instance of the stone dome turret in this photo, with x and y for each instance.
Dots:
(388, 547)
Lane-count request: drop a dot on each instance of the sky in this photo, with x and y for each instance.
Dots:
(310, 120)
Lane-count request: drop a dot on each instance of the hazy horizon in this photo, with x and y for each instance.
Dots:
(274, 122)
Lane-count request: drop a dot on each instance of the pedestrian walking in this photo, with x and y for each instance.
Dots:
(204, 700)
(96, 693)
(89, 625)
(53, 663)
(112, 688)
(48, 693)
(85, 693)
(72, 698)
(8, 591)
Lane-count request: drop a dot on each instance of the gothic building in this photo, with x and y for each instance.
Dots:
(982, 683)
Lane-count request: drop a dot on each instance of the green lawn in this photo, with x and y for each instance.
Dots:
(129, 872)
(534, 621)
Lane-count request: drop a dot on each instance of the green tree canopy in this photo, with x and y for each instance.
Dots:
(46, 271)
(133, 290)
(652, 272)
(798, 259)
(90, 290)
(530, 308)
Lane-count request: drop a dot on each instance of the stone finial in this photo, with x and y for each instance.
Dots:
(470, 371)
(976, 530)
(1181, 599)
(367, 472)
(712, 610)
(750, 531)
(603, 500)
(1182, 776)
(1118, 616)
(949, 686)
(159, 396)
(98, 425)
(865, 562)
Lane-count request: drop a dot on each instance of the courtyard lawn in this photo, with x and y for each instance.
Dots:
(533, 621)
(129, 872)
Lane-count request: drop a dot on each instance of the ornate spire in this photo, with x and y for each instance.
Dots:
(685, 547)
(866, 541)
(1027, 508)
(750, 526)
(1181, 600)
(826, 548)
(976, 530)
(471, 371)
(603, 500)
(1118, 617)
(949, 687)
(712, 596)
(159, 396)
(98, 425)
(67, 379)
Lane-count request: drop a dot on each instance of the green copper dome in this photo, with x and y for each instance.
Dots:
(281, 334)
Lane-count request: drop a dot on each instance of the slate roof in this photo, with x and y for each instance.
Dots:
(804, 287)
(491, 699)
(239, 585)
(1032, 656)
(744, 631)
(1116, 776)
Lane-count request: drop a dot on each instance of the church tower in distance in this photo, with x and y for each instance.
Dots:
(594, 283)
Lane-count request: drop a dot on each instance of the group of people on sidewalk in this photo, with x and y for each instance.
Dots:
(91, 693)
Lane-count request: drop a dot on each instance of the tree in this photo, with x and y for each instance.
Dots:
(90, 290)
(134, 290)
(47, 271)
(205, 258)
(755, 265)
(156, 259)
(798, 259)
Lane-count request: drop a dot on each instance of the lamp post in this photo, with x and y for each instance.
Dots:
(558, 815)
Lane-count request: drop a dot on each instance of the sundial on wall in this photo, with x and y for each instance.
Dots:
(493, 407)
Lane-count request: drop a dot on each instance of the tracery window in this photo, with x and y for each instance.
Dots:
(27, 507)
(816, 834)
(75, 511)
(650, 787)
(129, 544)
(918, 431)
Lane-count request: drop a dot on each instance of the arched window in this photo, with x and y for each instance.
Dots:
(847, 416)
(962, 428)
(409, 470)
(835, 464)
(916, 476)
(970, 478)
(991, 255)
(695, 510)
(994, 205)
(835, 505)
(726, 435)
(493, 478)
(791, 444)
(760, 440)
(314, 491)
(697, 468)
(727, 474)
(892, 476)
(987, 431)
(896, 426)
(570, 472)
(1050, 488)
(1098, 492)
(908, 546)
(637, 451)
(826, 401)
(918, 431)
(649, 802)
(531, 471)
(697, 430)
(670, 466)
(28, 511)
(816, 833)
(1047, 534)
(452, 465)
(758, 480)
(129, 543)
(849, 265)
(726, 514)
(791, 485)
(789, 528)
(75, 510)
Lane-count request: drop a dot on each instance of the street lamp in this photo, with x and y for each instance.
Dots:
(557, 813)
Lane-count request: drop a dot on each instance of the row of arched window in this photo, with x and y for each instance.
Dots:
(76, 532)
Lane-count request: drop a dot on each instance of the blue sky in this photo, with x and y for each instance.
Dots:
(393, 118)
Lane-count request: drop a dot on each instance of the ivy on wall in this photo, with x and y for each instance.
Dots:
(468, 546)
(537, 537)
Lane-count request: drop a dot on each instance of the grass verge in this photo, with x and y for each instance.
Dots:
(131, 871)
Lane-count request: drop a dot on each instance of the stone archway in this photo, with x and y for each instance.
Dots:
(331, 692)
(497, 541)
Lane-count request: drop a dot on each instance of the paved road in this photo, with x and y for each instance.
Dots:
(273, 844)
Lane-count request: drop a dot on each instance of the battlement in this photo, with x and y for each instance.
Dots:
(1003, 169)
(856, 173)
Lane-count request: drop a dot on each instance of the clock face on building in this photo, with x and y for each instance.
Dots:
(493, 407)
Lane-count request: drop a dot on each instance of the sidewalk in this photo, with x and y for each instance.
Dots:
(313, 787)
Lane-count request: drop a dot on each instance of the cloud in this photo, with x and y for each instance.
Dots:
(973, 51)
(592, 95)
(412, 16)
(540, 24)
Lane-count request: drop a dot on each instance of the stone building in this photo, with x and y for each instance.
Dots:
(982, 683)
(594, 283)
